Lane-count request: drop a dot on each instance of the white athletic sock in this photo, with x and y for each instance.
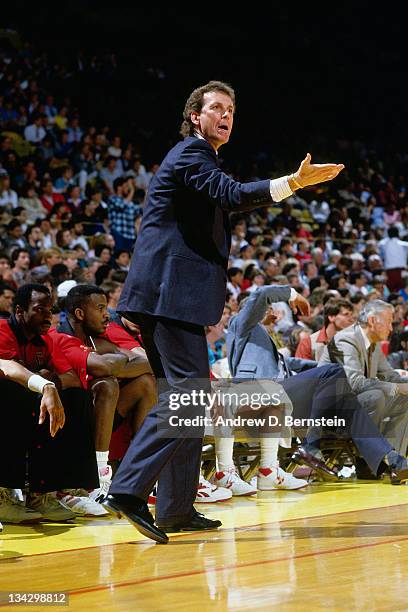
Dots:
(223, 451)
(269, 452)
(102, 459)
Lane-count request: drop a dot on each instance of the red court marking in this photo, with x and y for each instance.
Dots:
(224, 530)
(103, 587)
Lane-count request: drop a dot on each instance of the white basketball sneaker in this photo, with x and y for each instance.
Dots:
(80, 503)
(208, 493)
(230, 480)
(271, 479)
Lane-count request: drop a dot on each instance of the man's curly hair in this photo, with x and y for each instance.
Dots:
(195, 103)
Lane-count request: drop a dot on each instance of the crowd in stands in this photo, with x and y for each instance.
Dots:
(71, 202)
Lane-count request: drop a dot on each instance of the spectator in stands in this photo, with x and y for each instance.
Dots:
(48, 233)
(48, 196)
(309, 272)
(122, 260)
(65, 180)
(122, 214)
(78, 234)
(34, 240)
(5, 268)
(338, 314)
(138, 173)
(74, 131)
(115, 149)
(398, 358)
(235, 277)
(319, 208)
(7, 294)
(63, 239)
(61, 119)
(70, 259)
(59, 273)
(21, 264)
(271, 269)
(257, 278)
(394, 253)
(50, 257)
(109, 174)
(35, 132)
(74, 199)
(8, 197)
(50, 109)
(91, 218)
(358, 283)
(104, 253)
(112, 291)
(32, 203)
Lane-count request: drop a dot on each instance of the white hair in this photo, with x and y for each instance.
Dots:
(373, 309)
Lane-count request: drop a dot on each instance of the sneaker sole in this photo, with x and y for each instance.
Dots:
(23, 522)
(212, 501)
(146, 532)
(46, 519)
(284, 489)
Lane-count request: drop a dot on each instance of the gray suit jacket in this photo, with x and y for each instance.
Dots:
(251, 352)
(347, 348)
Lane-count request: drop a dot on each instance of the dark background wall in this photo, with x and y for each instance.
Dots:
(305, 76)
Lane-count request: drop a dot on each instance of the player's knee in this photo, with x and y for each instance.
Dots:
(107, 386)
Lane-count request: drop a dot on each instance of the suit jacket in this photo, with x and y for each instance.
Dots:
(178, 268)
(252, 353)
(347, 348)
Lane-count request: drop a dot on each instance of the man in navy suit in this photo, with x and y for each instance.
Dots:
(176, 285)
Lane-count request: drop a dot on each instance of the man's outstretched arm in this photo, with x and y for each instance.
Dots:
(255, 307)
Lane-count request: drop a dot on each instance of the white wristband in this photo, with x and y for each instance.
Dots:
(37, 383)
(280, 189)
(293, 294)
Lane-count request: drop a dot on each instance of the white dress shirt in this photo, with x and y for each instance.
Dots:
(394, 252)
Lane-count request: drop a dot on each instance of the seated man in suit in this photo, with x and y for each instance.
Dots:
(315, 393)
(380, 389)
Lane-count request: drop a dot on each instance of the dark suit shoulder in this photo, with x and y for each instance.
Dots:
(192, 143)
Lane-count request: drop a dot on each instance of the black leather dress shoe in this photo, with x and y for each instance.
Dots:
(398, 476)
(197, 522)
(363, 472)
(303, 457)
(137, 513)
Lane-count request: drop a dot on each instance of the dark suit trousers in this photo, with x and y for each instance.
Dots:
(325, 392)
(178, 355)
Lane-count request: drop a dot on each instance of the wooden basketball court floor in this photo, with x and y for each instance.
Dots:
(337, 546)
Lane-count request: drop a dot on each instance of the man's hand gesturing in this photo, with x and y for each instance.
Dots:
(300, 304)
(311, 174)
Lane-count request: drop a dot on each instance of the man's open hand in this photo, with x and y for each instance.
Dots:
(300, 304)
(51, 403)
(311, 174)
